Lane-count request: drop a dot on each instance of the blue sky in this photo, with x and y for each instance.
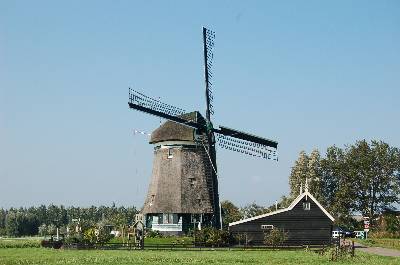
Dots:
(309, 74)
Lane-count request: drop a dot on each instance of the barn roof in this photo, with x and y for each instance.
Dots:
(291, 206)
(172, 131)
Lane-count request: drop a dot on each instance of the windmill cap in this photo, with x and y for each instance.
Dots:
(172, 131)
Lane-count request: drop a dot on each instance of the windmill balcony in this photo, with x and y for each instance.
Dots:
(167, 227)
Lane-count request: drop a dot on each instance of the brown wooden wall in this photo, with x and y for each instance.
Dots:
(304, 227)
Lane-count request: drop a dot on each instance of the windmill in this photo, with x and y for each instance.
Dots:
(195, 170)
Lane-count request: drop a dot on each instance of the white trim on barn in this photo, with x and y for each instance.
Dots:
(294, 203)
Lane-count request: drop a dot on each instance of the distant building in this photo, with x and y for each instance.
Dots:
(305, 221)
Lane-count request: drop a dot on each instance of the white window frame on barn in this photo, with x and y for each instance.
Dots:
(267, 227)
(306, 206)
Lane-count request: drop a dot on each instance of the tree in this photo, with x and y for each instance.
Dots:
(298, 174)
(284, 202)
(363, 177)
(12, 223)
(314, 175)
(374, 172)
(3, 215)
(230, 213)
(252, 210)
(42, 231)
(337, 189)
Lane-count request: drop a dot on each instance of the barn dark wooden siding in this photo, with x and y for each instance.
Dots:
(304, 227)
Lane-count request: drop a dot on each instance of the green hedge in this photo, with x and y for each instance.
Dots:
(19, 243)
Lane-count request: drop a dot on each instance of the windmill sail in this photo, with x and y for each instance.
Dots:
(247, 147)
(208, 43)
(155, 107)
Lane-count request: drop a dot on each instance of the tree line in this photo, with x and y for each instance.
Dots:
(361, 178)
(28, 221)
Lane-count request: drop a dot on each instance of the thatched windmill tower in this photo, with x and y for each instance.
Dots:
(181, 186)
(183, 190)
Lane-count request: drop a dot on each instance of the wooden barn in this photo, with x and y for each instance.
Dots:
(305, 222)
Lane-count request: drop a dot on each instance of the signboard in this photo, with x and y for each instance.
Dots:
(366, 226)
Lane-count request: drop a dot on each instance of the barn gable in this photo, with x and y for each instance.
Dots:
(305, 221)
(291, 206)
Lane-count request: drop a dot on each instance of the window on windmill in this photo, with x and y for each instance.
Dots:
(267, 227)
(170, 153)
(157, 219)
(192, 182)
(306, 206)
(170, 218)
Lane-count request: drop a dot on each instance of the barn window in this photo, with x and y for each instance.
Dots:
(170, 153)
(267, 227)
(306, 206)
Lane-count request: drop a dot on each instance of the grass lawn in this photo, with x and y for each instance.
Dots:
(393, 243)
(119, 257)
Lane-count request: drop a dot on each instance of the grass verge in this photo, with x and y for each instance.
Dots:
(393, 243)
(50, 256)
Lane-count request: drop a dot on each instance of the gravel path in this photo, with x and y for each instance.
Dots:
(377, 250)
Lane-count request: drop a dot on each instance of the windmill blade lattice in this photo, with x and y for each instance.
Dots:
(209, 38)
(140, 99)
(247, 147)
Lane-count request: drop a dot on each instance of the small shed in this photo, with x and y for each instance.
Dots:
(305, 222)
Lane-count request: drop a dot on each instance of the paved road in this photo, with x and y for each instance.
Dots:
(378, 250)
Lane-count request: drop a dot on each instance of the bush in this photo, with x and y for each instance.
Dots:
(74, 239)
(275, 237)
(153, 234)
(51, 244)
(89, 234)
(213, 237)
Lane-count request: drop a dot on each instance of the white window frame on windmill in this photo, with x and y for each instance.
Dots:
(170, 153)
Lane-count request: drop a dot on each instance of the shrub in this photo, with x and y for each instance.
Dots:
(388, 226)
(153, 234)
(275, 237)
(213, 237)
